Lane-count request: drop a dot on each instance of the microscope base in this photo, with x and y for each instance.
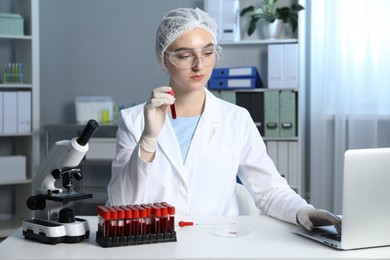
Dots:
(52, 232)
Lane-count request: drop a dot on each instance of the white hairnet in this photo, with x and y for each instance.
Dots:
(179, 21)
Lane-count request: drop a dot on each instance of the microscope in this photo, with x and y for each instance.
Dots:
(53, 222)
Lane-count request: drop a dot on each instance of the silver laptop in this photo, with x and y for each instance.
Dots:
(366, 202)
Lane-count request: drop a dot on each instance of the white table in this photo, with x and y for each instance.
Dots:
(269, 239)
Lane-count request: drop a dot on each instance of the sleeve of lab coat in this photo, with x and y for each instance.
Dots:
(129, 180)
(271, 192)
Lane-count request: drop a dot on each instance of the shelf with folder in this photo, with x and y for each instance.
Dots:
(23, 143)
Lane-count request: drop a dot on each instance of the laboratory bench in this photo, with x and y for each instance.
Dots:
(257, 237)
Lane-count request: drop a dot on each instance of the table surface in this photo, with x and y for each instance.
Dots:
(268, 239)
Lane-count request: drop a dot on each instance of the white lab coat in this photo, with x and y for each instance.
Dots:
(226, 143)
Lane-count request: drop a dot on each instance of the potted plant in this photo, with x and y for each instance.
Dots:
(267, 12)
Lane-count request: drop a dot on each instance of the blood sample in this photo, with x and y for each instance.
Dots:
(173, 109)
(171, 216)
(164, 217)
(142, 219)
(104, 221)
(136, 230)
(148, 218)
(113, 221)
(128, 219)
(120, 224)
(156, 213)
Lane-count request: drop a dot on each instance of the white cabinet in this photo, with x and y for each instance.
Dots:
(20, 49)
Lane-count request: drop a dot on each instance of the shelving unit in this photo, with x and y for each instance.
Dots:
(254, 52)
(24, 49)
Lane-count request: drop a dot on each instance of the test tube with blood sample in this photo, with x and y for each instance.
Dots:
(148, 218)
(113, 221)
(136, 230)
(171, 216)
(104, 221)
(142, 219)
(156, 224)
(120, 224)
(164, 217)
(128, 219)
(173, 109)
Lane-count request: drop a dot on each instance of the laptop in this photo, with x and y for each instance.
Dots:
(366, 203)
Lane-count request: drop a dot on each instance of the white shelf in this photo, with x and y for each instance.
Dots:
(15, 37)
(26, 181)
(15, 86)
(260, 42)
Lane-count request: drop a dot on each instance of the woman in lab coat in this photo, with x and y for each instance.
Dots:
(192, 161)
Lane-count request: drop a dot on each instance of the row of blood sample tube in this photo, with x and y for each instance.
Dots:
(134, 220)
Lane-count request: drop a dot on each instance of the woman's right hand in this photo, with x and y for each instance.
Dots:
(155, 113)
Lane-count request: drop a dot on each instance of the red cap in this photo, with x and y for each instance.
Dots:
(121, 212)
(128, 211)
(142, 211)
(171, 209)
(148, 209)
(156, 211)
(114, 212)
(135, 211)
(104, 212)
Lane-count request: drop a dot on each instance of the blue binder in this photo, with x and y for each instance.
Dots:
(233, 83)
(235, 72)
(235, 78)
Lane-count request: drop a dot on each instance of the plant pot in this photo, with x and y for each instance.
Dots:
(273, 30)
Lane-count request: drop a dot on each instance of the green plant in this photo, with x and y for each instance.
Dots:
(269, 13)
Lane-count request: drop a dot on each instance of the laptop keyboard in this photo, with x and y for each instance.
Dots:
(336, 237)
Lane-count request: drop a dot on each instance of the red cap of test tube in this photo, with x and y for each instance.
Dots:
(128, 211)
(171, 209)
(104, 212)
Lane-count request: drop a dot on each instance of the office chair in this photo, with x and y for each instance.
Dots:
(245, 201)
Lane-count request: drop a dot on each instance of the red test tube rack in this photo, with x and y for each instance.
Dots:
(126, 225)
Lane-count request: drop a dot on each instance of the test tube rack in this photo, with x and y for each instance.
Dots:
(127, 225)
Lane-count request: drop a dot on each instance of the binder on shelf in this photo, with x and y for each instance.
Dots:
(254, 103)
(235, 72)
(230, 83)
(288, 113)
(283, 162)
(290, 65)
(283, 65)
(293, 162)
(272, 147)
(235, 78)
(24, 112)
(271, 113)
(275, 66)
(285, 156)
(10, 123)
(227, 15)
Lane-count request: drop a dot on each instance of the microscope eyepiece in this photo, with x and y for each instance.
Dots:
(87, 132)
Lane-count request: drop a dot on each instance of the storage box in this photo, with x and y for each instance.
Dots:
(101, 149)
(11, 24)
(12, 168)
(94, 108)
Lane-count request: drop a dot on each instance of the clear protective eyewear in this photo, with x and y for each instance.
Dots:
(188, 59)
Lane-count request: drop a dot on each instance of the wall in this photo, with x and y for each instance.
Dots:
(99, 48)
